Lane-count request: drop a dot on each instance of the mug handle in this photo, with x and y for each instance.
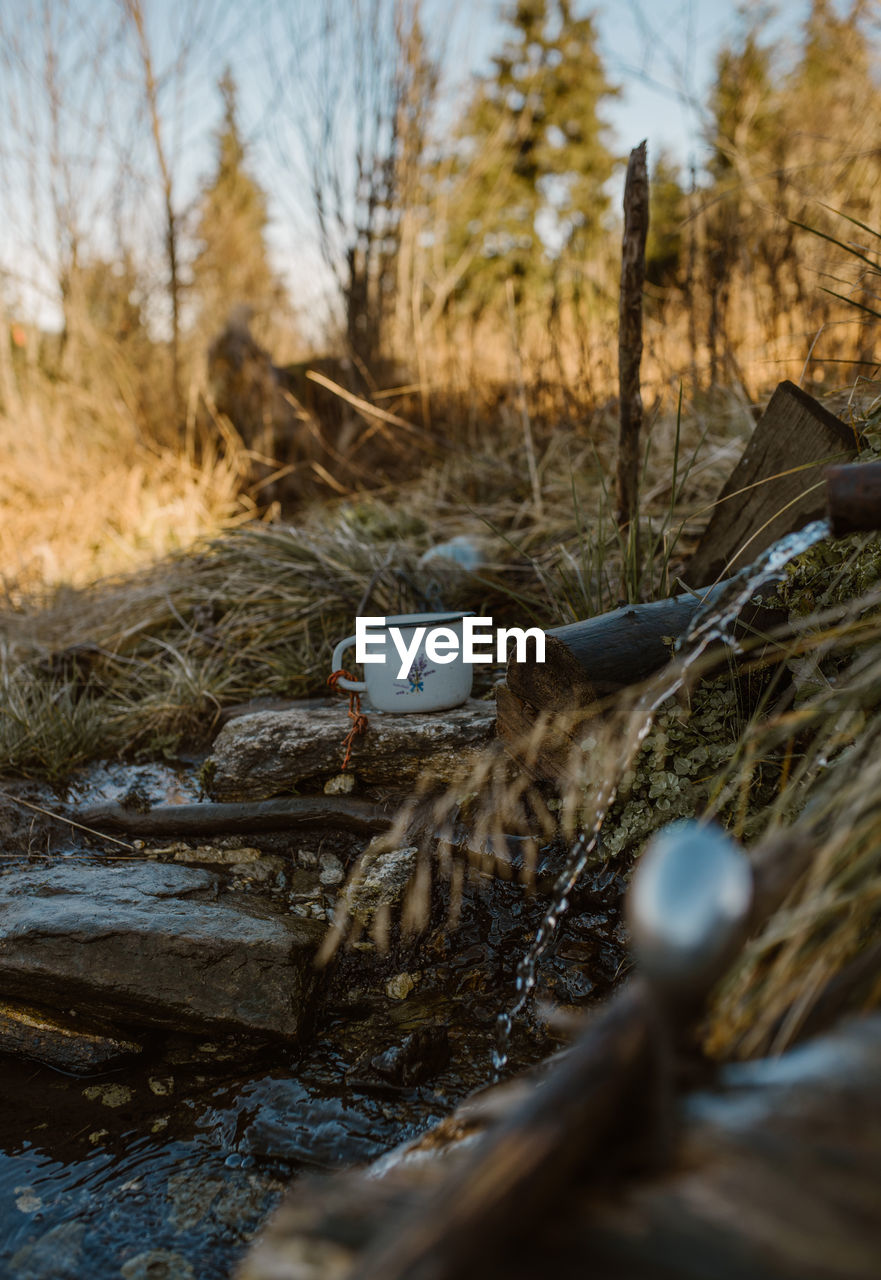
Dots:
(356, 686)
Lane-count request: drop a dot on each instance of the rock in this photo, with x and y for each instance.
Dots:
(263, 871)
(340, 785)
(66, 1043)
(400, 986)
(209, 853)
(190, 1197)
(332, 870)
(157, 1264)
(55, 1255)
(267, 754)
(154, 945)
(416, 1059)
(109, 1095)
(381, 880)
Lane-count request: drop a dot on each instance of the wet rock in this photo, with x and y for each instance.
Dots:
(301, 1126)
(381, 880)
(156, 945)
(157, 1264)
(400, 986)
(416, 1059)
(63, 1042)
(265, 755)
(54, 1256)
(190, 1197)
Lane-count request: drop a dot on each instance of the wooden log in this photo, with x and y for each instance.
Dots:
(538, 741)
(590, 659)
(854, 497)
(775, 487)
(597, 656)
(230, 819)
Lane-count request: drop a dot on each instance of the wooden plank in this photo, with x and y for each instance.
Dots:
(761, 502)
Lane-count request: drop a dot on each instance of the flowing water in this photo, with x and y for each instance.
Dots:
(713, 621)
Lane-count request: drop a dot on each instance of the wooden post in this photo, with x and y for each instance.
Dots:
(636, 223)
(777, 485)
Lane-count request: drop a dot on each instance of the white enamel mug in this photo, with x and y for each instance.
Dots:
(431, 683)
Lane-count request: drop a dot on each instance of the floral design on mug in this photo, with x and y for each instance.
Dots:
(416, 676)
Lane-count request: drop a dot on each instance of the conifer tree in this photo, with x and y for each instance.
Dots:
(528, 179)
(231, 266)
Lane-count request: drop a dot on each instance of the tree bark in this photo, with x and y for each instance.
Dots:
(598, 656)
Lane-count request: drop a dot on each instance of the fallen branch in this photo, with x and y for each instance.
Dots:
(229, 819)
(436, 444)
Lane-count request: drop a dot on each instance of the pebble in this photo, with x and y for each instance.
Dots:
(340, 785)
(157, 1264)
(26, 1201)
(332, 870)
(110, 1095)
(399, 987)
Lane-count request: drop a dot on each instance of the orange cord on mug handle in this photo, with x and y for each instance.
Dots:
(360, 723)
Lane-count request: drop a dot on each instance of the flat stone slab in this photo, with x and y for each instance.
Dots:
(154, 945)
(268, 753)
(60, 1040)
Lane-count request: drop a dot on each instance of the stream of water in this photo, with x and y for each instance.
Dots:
(163, 1166)
(713, 621)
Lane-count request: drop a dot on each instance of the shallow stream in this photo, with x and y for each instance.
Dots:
(167, 1165)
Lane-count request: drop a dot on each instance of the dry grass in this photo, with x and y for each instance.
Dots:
(142, 661)
(83, 494)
